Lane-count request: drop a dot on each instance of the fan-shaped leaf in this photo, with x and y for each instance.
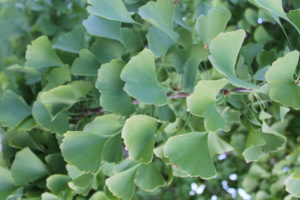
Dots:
(138, 134)
(113, 98)
(86, 64)
(212, 24)
(194, 158)
(280, 78)
(27, 167)
(224, 51)
(203, 103)
(13, 109)
(7, 184)
(122, 184)
(160, 14)
(83, 150)
(113, 10)
(40, 54)
(141, 81)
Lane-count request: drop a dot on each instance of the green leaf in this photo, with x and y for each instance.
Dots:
(72, 41)
(113, 10)
(138, 134)
(99, 196)
(122, 184)
(27, 167)
(49, 196)
(106, 49)
(212, 24)
(194, 159)
(294, 16)
(40, 54)
(264, 141)
(280, 78)
(86, 64)
(217, 145)
(161, 46)
(82, 184)
(83, 150)
(149, 178)
(224, 51)
(101, 27)
(13, 109)
(63, 97)
(141, 81)
(42, 117)
(203, 103)
(160, 14)
(57, 183)
(107, 125)
(113, 98)
(292, 184)
(189, 75)
(7, 184)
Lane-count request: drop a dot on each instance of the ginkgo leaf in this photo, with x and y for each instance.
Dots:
(63, 97)
(101, 27)
(7, 184)
(86, 64)
(99, 196)
(280, 78)
(264, 141)
(49, 196)
(72, 41)
(27, 167)
(292, 184)
(212, 24)
(217, 145)
(194, 158)
(203, 103)
(107, 125)
(160, 14)
(138, 134)
(40, 54)
(224, 51)
(294, 16)
(82, 184)
(141, 81)
(13, 109)
(149, 178)
(113, 10)
(122, 184)
(161, 46)
(57, 183)
(42, 117)
(89, 157)
(113, 98)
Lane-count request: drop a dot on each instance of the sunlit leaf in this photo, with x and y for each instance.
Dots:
(203, 103)
(138, 134)
(224, 51)
(194, 158)
(141, 81)
(113, 98)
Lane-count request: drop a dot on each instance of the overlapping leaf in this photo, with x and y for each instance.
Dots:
(224, 51)
(13, 109)
(141, 81)
(40, 55)
(203, 103)
(113, 10)
(194, 159)
(280, 78)
(212, 24)
(113, 98)
(138, 134)
(160, 14)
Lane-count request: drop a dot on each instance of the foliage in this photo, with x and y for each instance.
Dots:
(142, 99)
